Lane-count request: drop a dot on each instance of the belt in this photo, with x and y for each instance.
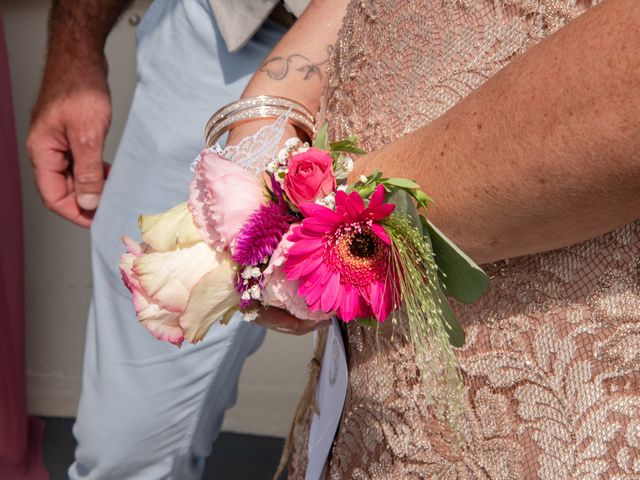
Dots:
(282, 16)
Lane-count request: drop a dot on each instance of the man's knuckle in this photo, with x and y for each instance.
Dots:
(88, 177)
(89, 139)
(48, 204)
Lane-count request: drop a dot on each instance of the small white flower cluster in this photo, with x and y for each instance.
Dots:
(342, 167)
(251, 274)
(252, 293)
(250, 315)
(330, 200)
(279, 166)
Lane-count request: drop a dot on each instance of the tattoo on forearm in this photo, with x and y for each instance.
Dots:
(278, 68)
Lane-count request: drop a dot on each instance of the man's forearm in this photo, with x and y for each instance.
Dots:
(543, 155)
(79, 28)
(78, 31)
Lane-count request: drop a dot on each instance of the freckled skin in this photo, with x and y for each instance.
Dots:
(545, 154)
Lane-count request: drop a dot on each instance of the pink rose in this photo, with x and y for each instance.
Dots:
(282, 293)
(310, 176)
(222, 197)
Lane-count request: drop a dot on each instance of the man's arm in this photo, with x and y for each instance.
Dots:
(73, 112)
(543, 155)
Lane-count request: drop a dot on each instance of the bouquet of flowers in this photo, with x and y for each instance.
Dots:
(287, 231)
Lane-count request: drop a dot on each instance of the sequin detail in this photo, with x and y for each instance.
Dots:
(551, 366)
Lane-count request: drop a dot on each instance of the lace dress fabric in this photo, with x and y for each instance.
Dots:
(551, 366)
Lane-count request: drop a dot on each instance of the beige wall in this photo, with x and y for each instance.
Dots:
(57, 255)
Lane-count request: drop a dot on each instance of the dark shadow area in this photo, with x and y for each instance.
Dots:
(235, 456)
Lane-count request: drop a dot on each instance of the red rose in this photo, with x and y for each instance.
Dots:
(310, 176)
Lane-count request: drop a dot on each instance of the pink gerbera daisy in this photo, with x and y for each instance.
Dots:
(341, 257)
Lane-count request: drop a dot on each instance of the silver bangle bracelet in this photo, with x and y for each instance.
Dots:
(216, 130)
(259, 101)
(263, 106)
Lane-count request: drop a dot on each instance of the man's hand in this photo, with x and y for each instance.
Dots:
(73, 111)
(66, 140)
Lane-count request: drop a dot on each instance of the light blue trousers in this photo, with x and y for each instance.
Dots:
(148, 409)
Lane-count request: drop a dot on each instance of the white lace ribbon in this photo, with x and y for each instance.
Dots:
(256, 151)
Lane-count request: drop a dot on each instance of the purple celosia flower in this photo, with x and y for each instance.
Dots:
(276, 189)
(262, 233)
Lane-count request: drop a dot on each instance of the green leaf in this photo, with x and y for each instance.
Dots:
(347, 142)
(375, 176)
(366, 190)
(402, 200)
(462, 278)
(367, 322)
(322, 138)
(350, 149)
(412, 188)
(455, 331)
(402, 183)
(451, 324)
(422, 198)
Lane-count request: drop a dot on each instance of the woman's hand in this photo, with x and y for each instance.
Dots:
(283, 322)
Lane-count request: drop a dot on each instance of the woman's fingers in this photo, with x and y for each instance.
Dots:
(283, 322)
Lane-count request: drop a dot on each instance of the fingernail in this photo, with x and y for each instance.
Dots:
(88, 201)
(284, 330)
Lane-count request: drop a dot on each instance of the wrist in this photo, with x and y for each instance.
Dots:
(258, 110)
(64, 54)
(250, 128)
(66, 78)
(64, 70)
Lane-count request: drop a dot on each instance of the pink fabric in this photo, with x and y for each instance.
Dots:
(20, 436)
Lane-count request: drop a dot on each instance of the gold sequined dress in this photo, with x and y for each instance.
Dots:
(551, 366)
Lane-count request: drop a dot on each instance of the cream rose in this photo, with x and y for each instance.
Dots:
(180, 286)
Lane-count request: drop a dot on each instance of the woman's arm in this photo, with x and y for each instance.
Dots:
(543, 155)
(297, 67)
